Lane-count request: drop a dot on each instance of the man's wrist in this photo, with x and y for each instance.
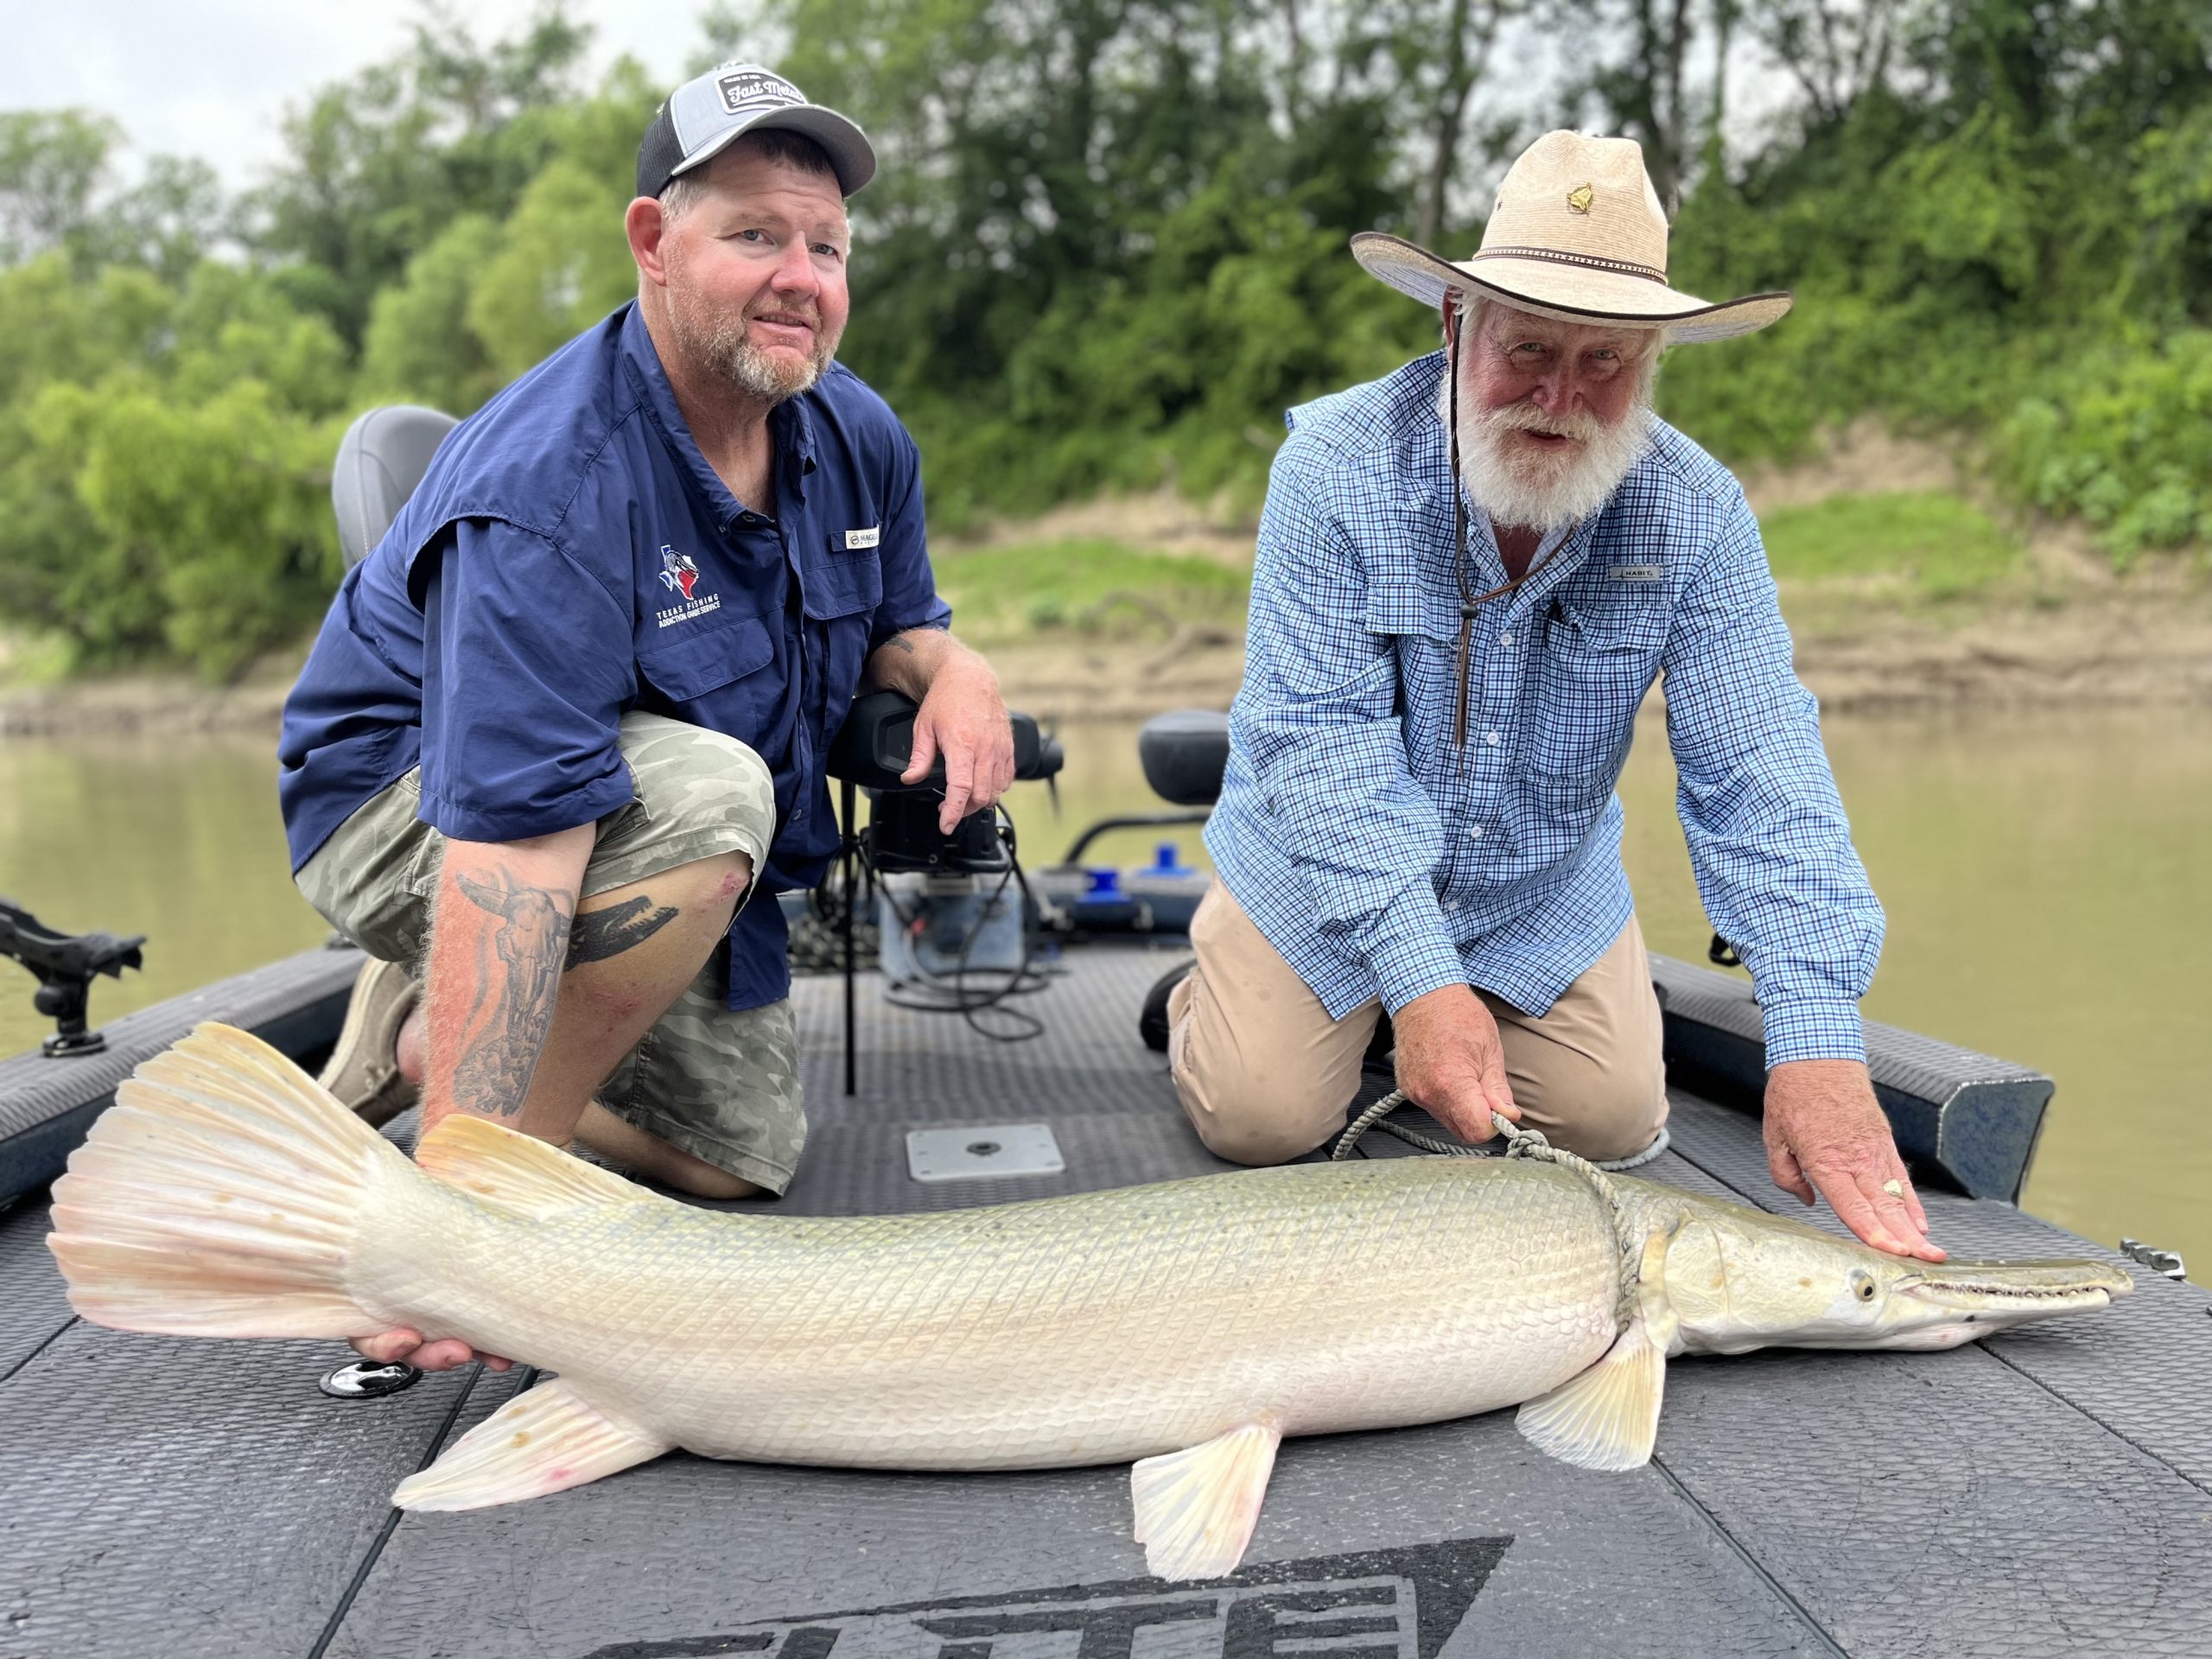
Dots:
(1792, 1077)
(1446, 1003)
(962, 663)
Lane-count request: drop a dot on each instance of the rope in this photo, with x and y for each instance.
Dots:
(1526, 1143)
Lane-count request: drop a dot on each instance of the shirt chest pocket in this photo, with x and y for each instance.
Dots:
(1609, 640)
(1601, 655)
(1421, 627)
(700, 663)
(844, 580)
(843, 592)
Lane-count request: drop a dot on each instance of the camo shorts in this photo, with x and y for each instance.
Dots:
(722, 1085)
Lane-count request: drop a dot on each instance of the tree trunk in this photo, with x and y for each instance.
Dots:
(1451, 112)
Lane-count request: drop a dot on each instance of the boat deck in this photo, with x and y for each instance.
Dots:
(2042, 1493)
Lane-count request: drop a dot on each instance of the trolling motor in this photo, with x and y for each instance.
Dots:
(941, 874)
(65, 965)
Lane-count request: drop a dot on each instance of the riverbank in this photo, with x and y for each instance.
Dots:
(1905, 588)
(2148, 648)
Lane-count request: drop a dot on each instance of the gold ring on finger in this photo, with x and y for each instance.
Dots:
(1894, 1188)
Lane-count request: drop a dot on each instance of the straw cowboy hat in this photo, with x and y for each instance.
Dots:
(1577, 234)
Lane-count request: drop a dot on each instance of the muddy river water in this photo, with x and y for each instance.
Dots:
(2047, 882)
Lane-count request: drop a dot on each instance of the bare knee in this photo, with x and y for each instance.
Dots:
(718, 881)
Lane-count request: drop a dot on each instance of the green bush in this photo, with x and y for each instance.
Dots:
(1944, 547)
(1106, 251)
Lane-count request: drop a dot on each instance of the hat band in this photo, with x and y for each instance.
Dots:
(1625, 267)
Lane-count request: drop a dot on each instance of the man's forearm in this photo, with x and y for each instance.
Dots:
(910, 662)
(499, 943)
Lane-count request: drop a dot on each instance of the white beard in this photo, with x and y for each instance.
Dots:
(1539, 491)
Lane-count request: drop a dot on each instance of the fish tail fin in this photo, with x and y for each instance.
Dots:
(219, 1196)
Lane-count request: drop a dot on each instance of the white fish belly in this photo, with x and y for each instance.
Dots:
(1101, 1328)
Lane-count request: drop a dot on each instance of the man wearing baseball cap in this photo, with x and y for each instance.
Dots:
(562, 738)
(1468, 576)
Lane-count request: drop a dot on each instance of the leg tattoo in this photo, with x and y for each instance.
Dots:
(599, 934)
(515, 994)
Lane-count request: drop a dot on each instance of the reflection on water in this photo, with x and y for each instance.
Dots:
(2047, 882)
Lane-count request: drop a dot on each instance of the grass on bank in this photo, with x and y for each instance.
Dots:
(1093, 587)
(1932, 544)
(1918, 546)
(28, 661)
(1907, 548)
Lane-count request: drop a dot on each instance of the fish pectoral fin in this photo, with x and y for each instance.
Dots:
(545, 1440)
(1195, 1509)
(518, 1173)
(1606, 1417)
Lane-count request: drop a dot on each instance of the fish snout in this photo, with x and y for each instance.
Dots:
(1997, 1293)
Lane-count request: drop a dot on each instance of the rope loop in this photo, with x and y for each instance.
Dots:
(1520, 1143)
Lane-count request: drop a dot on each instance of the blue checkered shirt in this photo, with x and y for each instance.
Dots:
(1383, 862)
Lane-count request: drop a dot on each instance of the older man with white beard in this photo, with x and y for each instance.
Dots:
(1441, 688)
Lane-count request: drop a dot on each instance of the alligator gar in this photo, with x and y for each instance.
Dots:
(1185, 1327)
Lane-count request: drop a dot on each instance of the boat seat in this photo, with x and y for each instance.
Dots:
(1184, 754)
(381, 459)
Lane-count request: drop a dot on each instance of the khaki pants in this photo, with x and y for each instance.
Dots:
(1267, 1076)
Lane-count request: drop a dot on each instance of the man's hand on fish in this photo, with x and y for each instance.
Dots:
(1825, 1129)
(405, 1347)
(1450, 1063)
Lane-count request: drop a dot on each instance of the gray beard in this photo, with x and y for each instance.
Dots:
(1539, 492)
(727, 350)
(719, 344)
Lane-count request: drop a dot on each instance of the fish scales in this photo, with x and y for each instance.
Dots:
(1101, 1327)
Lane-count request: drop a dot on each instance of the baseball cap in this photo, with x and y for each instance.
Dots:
(701, 117)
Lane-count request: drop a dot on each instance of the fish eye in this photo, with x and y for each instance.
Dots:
(1862, 1285)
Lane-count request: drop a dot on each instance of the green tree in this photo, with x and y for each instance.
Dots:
(53, 165)
(380, 163)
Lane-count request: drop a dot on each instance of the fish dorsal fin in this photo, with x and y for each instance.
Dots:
(545, 1440)
(1196, 1508)
(1608, 1417)
(517, 1173)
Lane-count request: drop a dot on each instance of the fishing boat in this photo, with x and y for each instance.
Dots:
(2045, 1491)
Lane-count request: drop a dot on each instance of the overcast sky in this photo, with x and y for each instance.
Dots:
(213, 77)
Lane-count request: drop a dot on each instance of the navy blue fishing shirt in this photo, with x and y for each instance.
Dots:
(570, 555)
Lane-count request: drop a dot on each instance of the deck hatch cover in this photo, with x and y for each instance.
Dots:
(982, 1152)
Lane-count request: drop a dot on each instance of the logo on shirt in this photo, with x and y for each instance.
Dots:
(857, 539)
(679, 573)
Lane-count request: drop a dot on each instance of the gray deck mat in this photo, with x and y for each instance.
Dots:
(33, 1304)
(2143, 1368)
(162, 1497)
